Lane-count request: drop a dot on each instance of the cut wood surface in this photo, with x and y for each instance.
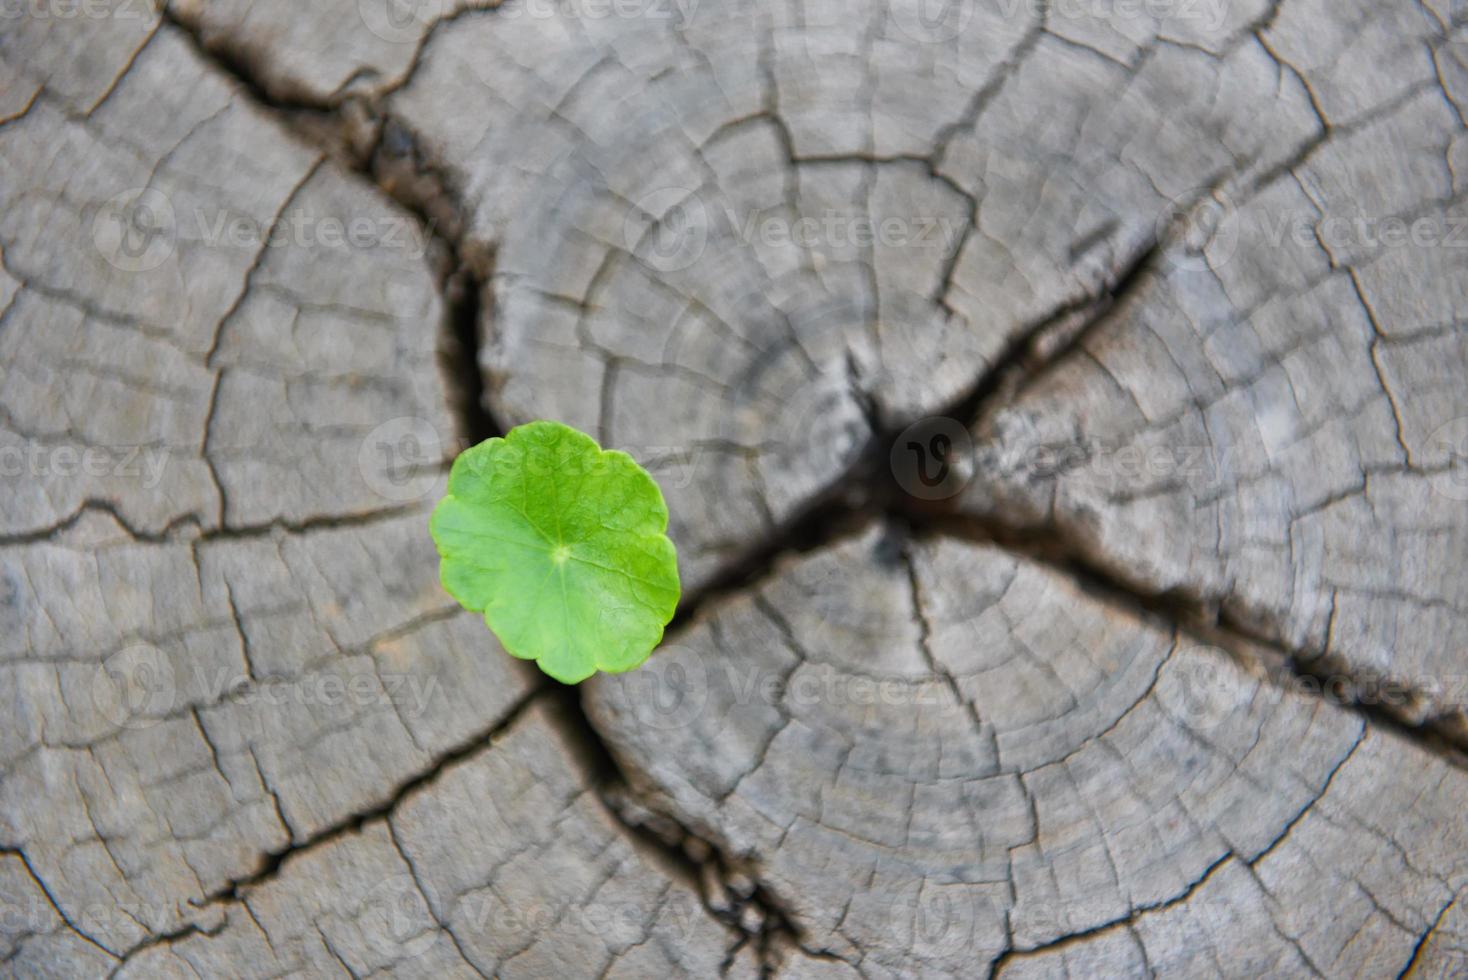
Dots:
(1060, 407)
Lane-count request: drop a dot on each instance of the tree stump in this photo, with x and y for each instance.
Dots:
(1060, 407)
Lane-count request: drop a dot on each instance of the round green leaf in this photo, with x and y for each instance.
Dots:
(562, 546)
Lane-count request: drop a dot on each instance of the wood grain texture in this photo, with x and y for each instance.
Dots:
(1169, 681)
(936, 755)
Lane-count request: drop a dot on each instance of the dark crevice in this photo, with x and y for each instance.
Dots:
(1380, 699)
(730, 889)
(358, 133)
(403, 170)
(189, 528)
(1045, 343)
(1423, 940)
(387, 154)
(241, 66)
(869, 488)
(94, 506)
(1075, 938)
(466, 296)
(167, 939)
(841, 516)
(271, 862)
(307, 117)
(20, 855)
(1207, 624)
(852, 503)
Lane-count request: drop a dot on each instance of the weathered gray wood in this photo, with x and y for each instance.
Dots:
(236, 647)
(505, 865)
(1273, 426)
(780, 358)
(943, 756)
(251, 735)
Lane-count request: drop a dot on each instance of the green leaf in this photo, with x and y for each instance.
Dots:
(562, 546)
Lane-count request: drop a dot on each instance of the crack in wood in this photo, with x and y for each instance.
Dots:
(394, 163)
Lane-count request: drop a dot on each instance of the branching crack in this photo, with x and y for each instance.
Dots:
(730, 887)
(358, 133)
(271, 863)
